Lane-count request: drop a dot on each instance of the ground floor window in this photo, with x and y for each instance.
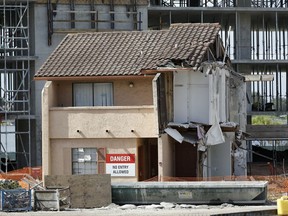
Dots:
(84, 161)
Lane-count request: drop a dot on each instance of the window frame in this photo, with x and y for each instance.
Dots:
(75, 161)
(93, 92)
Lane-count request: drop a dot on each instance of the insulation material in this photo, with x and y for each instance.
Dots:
(214, 135)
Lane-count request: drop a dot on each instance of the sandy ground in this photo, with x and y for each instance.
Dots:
(150, 211)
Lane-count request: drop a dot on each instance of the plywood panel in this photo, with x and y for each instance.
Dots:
(267, 131)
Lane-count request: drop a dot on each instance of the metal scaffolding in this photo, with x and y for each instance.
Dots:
(220, 3)
(91, 17)
(15, 139)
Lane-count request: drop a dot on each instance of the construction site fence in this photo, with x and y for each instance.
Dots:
(15, 200)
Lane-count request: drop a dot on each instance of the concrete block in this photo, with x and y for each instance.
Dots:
(87, 191)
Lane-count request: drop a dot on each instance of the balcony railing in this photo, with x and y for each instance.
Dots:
(220, 3)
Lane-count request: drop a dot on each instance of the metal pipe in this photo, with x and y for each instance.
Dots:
(276, 35)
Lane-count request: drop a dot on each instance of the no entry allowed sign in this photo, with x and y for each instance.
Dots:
(120, 164)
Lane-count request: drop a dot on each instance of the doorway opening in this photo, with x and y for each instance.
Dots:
(185, 160)
(147, 159)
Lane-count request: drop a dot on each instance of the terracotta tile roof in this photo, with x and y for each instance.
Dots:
(127, 53)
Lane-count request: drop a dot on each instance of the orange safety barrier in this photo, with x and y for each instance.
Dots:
(18, 175)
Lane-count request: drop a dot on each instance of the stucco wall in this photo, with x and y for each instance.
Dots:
(61, 153)
(166, 156)
(124, 95)
(102, 122)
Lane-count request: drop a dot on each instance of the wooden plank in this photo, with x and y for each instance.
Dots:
(267, 131)
(266, 128)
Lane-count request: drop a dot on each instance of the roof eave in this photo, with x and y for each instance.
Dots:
(164, 70)
(77, 78)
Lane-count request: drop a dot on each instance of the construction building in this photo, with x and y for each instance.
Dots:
(254, 34)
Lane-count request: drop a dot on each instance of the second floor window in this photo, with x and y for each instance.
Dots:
(92, 94)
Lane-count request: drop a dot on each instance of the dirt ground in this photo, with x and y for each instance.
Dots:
(277, 187)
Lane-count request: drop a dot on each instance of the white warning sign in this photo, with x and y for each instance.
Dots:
(120, 164)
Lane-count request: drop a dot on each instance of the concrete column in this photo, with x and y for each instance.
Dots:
(243, 47)
(243, 36)
(243, 3)
(47, 102)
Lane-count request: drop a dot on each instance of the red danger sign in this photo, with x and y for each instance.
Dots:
(120, 158)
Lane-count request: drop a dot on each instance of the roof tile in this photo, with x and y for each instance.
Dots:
(127, 53)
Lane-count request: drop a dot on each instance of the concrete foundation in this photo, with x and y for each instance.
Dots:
(237, 192)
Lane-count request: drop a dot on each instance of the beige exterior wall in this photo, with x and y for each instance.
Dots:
(119, 128)
(61, 153)
(92, 122)
(124, 95)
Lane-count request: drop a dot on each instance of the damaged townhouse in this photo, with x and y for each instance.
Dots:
(142, 105)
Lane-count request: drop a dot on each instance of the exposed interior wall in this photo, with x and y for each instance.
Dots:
(218, 95)
(124, 95)
(191, 93)
(61, 153)
(219, 157)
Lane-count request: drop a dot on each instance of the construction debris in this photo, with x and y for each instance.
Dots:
(15, 200)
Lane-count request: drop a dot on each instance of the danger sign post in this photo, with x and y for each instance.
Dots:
(120, 164)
